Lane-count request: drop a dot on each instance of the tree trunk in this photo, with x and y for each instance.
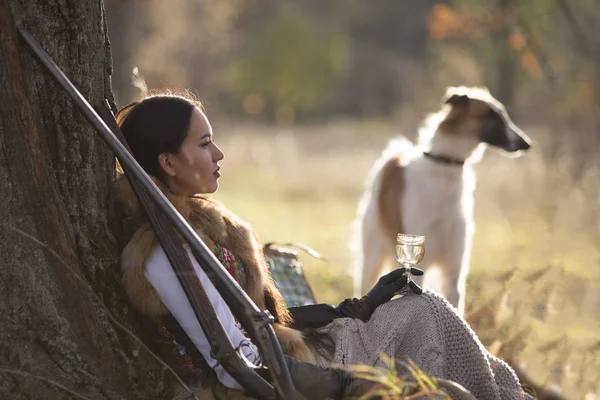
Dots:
(58, 263)
(504, 79)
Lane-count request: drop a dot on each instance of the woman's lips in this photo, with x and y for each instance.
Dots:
(217, 173)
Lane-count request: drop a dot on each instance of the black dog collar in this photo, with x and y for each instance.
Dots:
(444, 159)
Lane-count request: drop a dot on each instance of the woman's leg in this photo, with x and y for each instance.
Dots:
(427, 330)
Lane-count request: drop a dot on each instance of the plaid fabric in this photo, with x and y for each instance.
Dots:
(287, 272)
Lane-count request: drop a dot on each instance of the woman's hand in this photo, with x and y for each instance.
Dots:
(317, 315)
(387, 286)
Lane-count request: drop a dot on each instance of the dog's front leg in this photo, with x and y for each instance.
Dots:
(456, 259)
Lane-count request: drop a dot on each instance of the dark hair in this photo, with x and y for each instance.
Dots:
(155, 125)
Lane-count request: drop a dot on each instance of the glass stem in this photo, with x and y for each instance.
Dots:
(408, 272)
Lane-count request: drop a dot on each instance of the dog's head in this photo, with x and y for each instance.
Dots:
(475, 114)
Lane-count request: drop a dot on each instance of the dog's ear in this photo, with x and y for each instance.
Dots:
(456, 100)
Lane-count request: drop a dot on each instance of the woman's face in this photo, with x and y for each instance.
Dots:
(195, 168)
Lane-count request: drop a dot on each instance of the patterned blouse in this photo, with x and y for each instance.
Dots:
(231, 264)
(235, 269)
(175, 345)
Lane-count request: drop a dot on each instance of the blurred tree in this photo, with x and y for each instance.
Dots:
(245, 58)
(291, 64)
(503, 84)
(176, 43)
(56, 340)
(364, 57)
(123, 22)
(542, 53)
(389, 50)
(487, 29)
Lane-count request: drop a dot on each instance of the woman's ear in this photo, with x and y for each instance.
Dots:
(165, 160)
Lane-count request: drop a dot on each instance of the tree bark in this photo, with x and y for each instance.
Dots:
(58, 259)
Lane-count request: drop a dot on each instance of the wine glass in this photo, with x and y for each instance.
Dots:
(410, 250)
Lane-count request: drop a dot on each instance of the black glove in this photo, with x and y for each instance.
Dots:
(318, 315)
(387, 286)
(314, 382)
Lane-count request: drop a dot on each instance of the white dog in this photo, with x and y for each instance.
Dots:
(428, 190)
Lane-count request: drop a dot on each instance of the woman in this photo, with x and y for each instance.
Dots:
(172, 140)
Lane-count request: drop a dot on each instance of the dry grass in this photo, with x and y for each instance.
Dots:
(534, 286)
(388, 385)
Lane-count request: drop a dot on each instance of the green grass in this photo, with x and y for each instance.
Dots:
(283, 213)
(534, 288)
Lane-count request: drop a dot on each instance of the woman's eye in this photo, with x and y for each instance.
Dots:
(206, 143)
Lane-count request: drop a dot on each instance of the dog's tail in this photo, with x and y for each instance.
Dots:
(369, 240)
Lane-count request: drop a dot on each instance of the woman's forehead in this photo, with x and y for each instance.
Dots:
(199, 124)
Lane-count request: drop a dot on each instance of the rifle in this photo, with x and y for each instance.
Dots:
(164, 218)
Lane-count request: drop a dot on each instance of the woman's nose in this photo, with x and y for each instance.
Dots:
(218, 154)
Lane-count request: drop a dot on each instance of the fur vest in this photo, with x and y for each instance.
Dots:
(213, 223)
